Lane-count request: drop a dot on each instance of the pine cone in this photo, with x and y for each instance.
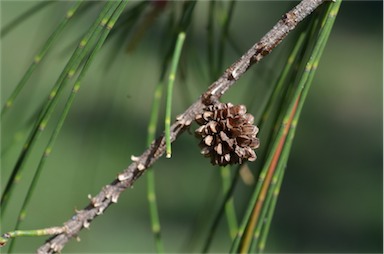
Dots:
(227, 134)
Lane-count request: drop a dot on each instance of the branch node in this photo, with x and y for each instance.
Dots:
(141, 167)
(123, 176)
(115, 197)
(101, 209)
(210, 98)
(86, 224)
(134, 158)
(94, 201)
(182, 120)
(55, 247)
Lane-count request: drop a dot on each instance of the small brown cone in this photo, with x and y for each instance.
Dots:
(227, 134)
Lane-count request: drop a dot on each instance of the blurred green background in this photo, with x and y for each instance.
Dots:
(332, 194)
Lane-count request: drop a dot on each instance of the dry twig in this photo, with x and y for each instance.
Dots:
(111, 192)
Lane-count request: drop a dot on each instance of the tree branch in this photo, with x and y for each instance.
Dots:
(111, 192)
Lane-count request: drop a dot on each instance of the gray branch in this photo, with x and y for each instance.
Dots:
(111, 192)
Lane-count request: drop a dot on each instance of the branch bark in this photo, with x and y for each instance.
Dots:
(111, 192)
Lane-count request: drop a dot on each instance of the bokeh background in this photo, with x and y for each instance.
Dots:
(332, 195)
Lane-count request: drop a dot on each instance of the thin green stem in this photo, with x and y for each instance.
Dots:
(221, 210)
(327, 24)
(277, 181)
(36, 232)
(229, 206)
(69, 71)
(38, 7)
(76, 87)
(278, 87)
(284, 76)
(155, 112)
(171, 81)
(273, 99)
(151, 193)
(312, 64)
(265, 179)
(224, 35)
(151, 132)
(154, 213)
(39, 57)
(280, 156)
(280, 94)
(210, 40)
(263, 195)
